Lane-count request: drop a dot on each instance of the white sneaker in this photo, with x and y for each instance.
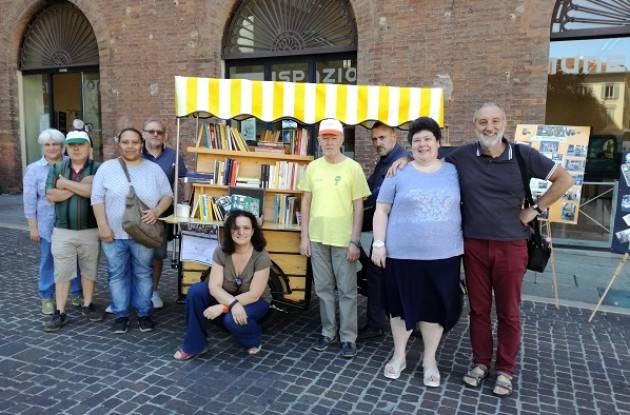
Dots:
(156, 300)
(108, 310)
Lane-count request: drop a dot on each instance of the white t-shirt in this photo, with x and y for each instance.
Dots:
(110, 187)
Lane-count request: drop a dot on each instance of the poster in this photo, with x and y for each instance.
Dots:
(621, 227)
(198, 242)
(567, 146)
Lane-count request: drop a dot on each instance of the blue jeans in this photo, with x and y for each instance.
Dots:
(130, 276)
(198, 299)
(46, 285)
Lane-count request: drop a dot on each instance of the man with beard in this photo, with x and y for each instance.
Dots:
(385, 144)
(495, 237)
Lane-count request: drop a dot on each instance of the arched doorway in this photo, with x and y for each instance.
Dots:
(589, 84)
(60, 76)
(295, 41)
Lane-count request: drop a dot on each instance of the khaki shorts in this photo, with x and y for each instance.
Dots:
(71, 247)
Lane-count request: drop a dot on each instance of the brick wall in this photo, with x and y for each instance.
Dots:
(488, 49)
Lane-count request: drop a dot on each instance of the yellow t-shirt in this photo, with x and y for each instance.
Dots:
(334, 187)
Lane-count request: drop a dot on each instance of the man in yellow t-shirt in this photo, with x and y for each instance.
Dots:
(332, 215)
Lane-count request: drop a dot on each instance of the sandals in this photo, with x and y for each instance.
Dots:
(393, 371)
(181, 355)
(254, 350)
(502, 386)
(475, 376)
(431, 378)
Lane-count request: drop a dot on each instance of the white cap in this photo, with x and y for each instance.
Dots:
(330, 126)
(77, 137)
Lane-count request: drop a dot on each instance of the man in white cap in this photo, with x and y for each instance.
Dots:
(75, 235)
(332, 215)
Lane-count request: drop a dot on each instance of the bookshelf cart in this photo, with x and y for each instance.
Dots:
(271, 101)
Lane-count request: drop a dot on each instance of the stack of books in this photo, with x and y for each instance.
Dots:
(284, 210)
(220, 137)
(283, 175)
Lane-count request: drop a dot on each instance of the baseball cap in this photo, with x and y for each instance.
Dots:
(77, 137)
(330, 126)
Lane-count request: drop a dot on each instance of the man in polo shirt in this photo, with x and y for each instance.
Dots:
(385, 144)
(495, 232)
(155, 150)
(75, 235)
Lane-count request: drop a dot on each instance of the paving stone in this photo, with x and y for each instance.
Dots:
(83, 369)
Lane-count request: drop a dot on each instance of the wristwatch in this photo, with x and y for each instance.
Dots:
(537, 208)
(378, 243)
(356, 243)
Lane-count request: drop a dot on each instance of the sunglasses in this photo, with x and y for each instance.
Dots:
(153, 132)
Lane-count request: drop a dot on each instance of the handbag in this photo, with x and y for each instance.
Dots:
(149, 235)
(538, 249)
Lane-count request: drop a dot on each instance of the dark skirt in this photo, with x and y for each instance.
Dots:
(424, 290)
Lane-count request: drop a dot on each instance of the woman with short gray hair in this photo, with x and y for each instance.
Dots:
(40, 214)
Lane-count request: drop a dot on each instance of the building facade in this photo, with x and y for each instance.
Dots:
(112, 62)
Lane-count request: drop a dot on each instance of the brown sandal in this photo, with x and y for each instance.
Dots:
(475, 376)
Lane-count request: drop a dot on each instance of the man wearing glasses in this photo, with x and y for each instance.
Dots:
(155, 150)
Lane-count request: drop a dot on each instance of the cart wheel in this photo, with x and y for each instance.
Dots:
(277, 294)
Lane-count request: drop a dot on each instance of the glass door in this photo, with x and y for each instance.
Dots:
(37, 110)
(91, 110)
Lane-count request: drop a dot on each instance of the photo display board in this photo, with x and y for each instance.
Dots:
(621, 239)
(567, 146)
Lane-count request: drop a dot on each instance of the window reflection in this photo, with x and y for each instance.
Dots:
(588, 85)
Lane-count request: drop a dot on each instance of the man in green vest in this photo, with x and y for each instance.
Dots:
(75, 235)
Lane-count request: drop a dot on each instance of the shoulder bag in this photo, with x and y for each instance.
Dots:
(538, 249)
(149, 235)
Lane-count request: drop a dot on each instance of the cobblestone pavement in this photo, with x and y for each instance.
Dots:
(566, 366)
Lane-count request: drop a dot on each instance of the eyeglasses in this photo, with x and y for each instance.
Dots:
(153, 132)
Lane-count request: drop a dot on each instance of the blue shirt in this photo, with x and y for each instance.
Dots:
(166, 160)
(380, 171)
(36, 206)
(492, 189)
(425, 221)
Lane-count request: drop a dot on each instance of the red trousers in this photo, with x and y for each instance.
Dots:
(497, 266)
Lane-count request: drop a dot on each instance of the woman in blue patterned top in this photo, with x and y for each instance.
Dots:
(40, 214)
(418, 240)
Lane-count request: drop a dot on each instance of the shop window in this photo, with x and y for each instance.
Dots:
(292, 41)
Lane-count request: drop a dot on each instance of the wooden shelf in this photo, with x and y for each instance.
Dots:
(249, 154)
(172, 219)
(223, 187)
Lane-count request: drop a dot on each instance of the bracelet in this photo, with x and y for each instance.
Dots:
(225, 308)
(233, 303)
(356, 243)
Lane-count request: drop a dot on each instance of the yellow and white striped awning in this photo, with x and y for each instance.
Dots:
(306, 102)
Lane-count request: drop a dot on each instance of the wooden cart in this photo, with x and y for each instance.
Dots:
(307, 104)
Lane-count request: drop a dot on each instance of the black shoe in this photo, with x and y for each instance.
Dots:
(57, 321)
(367, 333)
(91, 313)
(121, 325)
(146, 324)
(348, 350)
(323, 342)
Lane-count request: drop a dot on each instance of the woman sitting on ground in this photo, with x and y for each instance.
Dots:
(236, 291)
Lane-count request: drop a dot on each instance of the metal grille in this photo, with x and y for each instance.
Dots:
(263, 28)
(59, 37)
(590, 18)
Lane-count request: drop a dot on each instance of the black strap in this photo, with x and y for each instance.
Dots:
(124, 167)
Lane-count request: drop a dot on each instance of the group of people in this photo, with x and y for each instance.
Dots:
(74, 206)
(429, 213)
(426, 214)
